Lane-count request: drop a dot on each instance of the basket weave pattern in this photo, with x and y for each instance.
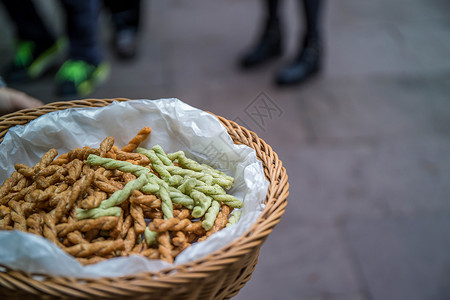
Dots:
(219, 275)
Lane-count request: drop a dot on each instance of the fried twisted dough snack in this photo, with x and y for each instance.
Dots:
(117, 198)
(98, 248)
(211, 214)
(220, 222)
(135, 157)
(81, 153)
(20, 185)
(150, 253)
(9, 183)
(106, 145)
(17, 216)
(24, 170)
(17, 196)
(18, 182)
(180, 241)
(5, 223)
(150, 201)
(107, 187)
(176, 224)
(66, 203)
(91, 260)
(117, 230)
(139, 138)
(46, 159)
(76, 237)
(44, 182)
(93, 200)
(49, 229)
(34, 224)
(222, 218)
(40, 196)
(137, 214)
(159, 186)
(74, 170)
(103, 223)
(234, 218)
(165, 247)
(44, 162)
(45, 199)
(126, 225)
(130, 241)
(4, 210)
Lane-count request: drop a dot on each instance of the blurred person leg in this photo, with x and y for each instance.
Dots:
(37, 47)
(125, 17)
(269, 45)
(85, 68)
(308, 61)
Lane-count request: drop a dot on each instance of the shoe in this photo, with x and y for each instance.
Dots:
(306, 65)
(125, 43)
(268, 47)
(32, 60)
(79, 78)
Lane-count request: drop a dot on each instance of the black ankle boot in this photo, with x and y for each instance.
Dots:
(304, 66)
(268, 47)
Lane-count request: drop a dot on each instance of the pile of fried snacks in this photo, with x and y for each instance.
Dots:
(101, 203)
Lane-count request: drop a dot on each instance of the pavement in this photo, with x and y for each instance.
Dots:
(366, 144)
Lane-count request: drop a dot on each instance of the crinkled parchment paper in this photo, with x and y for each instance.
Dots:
(175, 126)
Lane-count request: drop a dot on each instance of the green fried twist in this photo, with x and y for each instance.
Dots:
(211, 190)
(162, 155)
(187, 163)
(187, 186)
(175, 180)
(150, 188)
(166, 201)
(202, 203)
(112, 164)
(211, 215)
(206, 178)
(234, 218)
(229, 200)
(98, 212)
(180, 198)
(115, 199)
(121, 195)
(196, 186)
(157, 164)
(150, 236)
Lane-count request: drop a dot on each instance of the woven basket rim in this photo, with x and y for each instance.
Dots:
(275, 201)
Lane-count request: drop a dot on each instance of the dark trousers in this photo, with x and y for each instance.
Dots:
(81, 26)
(311, 12)
(124, 14)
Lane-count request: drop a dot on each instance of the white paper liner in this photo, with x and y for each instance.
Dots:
(175, 126)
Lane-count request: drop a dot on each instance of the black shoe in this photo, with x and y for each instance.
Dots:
(268, 47)
(305, 66)
(125, 43)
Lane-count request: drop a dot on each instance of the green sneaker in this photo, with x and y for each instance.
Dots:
(31, 60)
(79, 78)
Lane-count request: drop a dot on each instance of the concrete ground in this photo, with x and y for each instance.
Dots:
(366, 144)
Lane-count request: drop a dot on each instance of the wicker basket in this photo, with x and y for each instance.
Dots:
(219, 275)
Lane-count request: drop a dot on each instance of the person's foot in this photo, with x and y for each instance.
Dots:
(79, 78)
(306, 65)
(267, 48)
(125, 43)
(32, 60)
